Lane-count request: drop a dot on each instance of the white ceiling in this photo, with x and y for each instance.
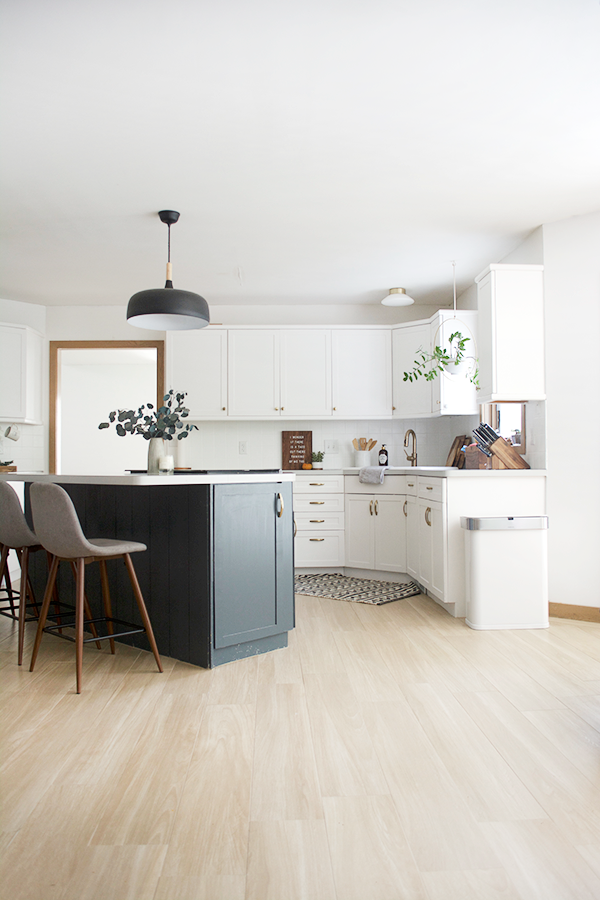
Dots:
(319, 151)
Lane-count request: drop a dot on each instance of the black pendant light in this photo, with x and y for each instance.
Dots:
(167, 309)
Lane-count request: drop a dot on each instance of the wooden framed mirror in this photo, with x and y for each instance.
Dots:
(81, 372)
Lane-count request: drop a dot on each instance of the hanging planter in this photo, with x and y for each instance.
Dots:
(450, 361)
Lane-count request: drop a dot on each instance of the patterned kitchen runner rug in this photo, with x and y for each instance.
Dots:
(359, 590)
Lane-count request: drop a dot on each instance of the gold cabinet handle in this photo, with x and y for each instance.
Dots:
(316, 484)
(376, 506)
(280, 512)
(393, 408)
(317, 521)
(429, 488)
(371, 507)
(411, 484)
(316, 502)
(316, 539)
(404, 510)
(295, 528)
(335, 408)
(276, 409)
(223, 408)
(428, 515)
(282, 409)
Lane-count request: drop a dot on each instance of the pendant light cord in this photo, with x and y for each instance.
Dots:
(454, 282)
(169, 282)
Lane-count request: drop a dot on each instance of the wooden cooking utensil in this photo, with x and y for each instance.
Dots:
(371, 444)
(355, 443)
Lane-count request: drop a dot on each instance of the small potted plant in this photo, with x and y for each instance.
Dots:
(317, 459)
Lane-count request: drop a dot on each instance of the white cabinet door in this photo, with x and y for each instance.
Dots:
(411, 398)
(253, 367)
(510, 301)
(20, 374)
(412, 537)
(432, 549)
(362, 373)
(390, 533)
(359, 531)
(453, 393)
(305, 365)
(197, 364)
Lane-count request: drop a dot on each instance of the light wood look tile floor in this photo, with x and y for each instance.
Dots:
(388, 753)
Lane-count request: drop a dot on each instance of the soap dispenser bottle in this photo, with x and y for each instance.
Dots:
(383, 456)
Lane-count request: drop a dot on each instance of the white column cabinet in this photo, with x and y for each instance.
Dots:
(197, 364)
(510, 302)
(362, 372)
(20, 374)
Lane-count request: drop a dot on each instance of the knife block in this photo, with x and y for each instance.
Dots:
(475, 459)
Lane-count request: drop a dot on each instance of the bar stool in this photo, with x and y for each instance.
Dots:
(59, 530)
(15, 534)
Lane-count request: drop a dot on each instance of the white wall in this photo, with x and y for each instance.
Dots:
(572, 313)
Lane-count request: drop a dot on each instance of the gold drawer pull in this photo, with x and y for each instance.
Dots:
(317, 502)
(429, 488)
(411, 484)
(316, 539)
(316, 483)
(317, 521)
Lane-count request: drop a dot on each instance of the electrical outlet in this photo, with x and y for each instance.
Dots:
(243, 448)
(331, 447)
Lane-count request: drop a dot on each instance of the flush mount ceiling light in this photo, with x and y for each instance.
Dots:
(167, 309)
(397, 297)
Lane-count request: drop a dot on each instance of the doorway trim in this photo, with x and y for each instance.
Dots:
(56, 346)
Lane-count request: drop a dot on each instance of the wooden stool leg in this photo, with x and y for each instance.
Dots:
(106, 600)
(57, 615)
(23, 601)
(142, 608)
(88, 609)
(79, 615)
(44, 610)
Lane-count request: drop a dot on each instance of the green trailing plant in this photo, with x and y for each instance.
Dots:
(164, 422)
(318, 456)
(8, 462)
(429, 365)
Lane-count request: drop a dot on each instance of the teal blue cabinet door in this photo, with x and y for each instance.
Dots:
(253, 565)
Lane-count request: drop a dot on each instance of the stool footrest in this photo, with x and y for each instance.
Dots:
(132, 629)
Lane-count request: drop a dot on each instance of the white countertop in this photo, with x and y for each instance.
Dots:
(266, 478)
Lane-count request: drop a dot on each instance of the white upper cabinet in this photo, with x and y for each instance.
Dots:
(411, 398)
(305, 367)
(20, 374)
(362, 372)
(510, 300)
(453, 392)
(197, 364)
(254, 372)
(450, 393)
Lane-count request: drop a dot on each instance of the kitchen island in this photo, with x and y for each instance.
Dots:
(218, 575)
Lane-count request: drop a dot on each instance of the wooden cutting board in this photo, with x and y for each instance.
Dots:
(8, 468)
(456, 457)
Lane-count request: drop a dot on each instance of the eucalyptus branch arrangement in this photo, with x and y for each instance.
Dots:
(164, 422)
(430, 365)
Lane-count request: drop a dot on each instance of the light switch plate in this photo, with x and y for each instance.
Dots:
(331, 447)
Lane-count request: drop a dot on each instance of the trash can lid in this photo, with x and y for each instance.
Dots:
(504, 523)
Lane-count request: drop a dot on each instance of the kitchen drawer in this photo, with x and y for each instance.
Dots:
(316, 521)
(316, 483)
(393, 484)
(412, 485)
(319, 503)
(325, 549)
(431, 488)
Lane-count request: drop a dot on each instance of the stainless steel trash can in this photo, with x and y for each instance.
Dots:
(506, 561)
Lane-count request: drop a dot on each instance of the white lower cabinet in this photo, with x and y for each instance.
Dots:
(431, 549)
(318, 520)
(375, 532)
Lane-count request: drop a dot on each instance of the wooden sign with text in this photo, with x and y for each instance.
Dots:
(296, 449)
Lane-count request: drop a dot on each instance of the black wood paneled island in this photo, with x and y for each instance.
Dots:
(218, 575)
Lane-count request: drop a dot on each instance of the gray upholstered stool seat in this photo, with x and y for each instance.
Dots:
(58, 528)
